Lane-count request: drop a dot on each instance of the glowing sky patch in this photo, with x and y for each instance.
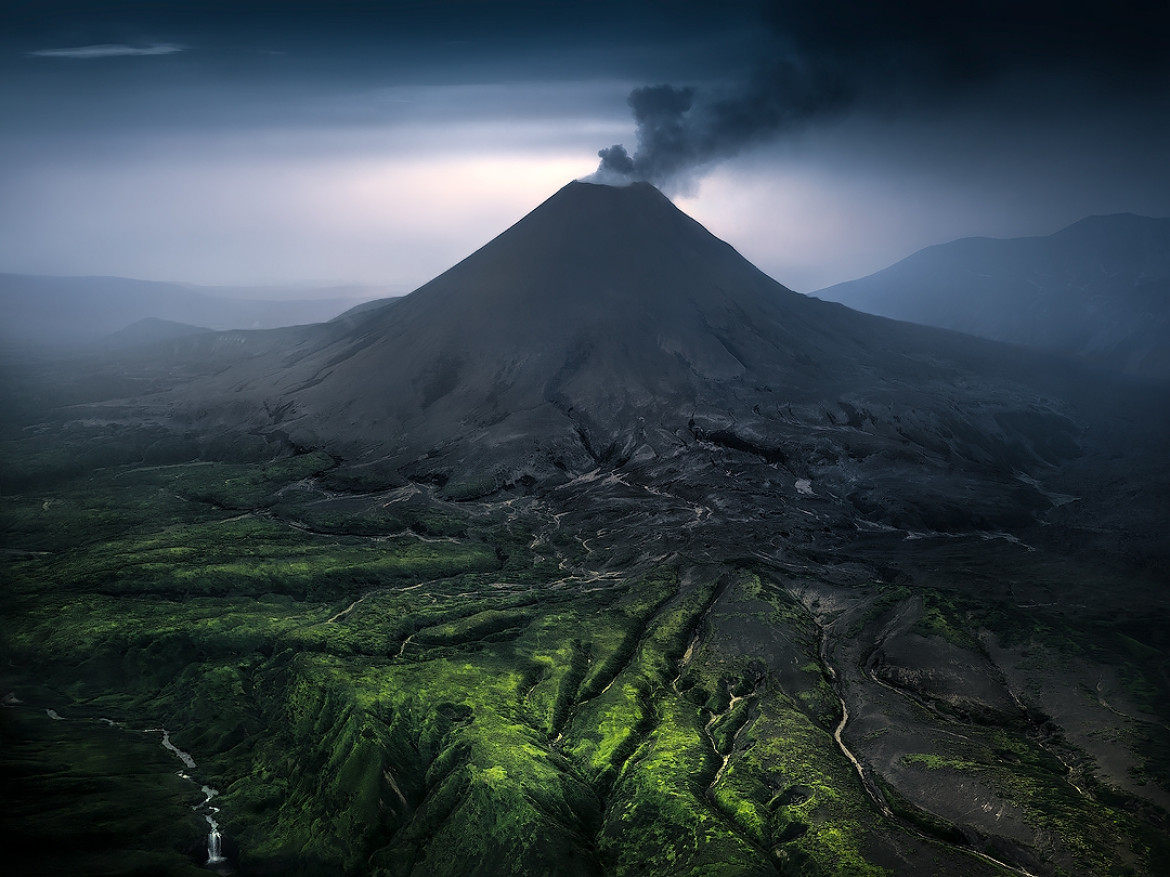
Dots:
(234, 217)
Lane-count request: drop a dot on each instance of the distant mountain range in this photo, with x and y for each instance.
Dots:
(69, 313)
(1098, 290)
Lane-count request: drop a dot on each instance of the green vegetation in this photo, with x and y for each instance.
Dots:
(406, 695)
(394, 683)
(943, 616)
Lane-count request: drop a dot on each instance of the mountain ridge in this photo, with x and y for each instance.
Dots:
(1097, 290)
(65, 314)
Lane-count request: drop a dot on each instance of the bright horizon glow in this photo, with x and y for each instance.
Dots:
(299, 220)
(323, 217)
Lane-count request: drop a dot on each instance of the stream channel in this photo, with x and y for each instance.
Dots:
(215, 857)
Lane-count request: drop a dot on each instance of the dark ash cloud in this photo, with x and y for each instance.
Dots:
(890, 59)
(963, 43)
(681, 132)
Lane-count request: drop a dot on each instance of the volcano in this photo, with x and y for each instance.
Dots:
(608, 329)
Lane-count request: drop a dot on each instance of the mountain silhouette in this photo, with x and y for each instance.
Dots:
(45, 314)
(1098, 290)
(607, 330)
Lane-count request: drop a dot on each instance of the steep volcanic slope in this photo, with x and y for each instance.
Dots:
(606, 326)
(1097, 290)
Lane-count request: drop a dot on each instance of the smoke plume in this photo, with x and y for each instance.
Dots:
(857, 56)
(681, 132)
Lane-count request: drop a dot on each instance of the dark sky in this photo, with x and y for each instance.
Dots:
(268, 142)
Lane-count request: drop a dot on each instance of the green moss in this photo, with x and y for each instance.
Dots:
(937, 762)
(396, 684)
(942, 616)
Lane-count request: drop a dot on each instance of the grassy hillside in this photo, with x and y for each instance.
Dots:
(389, 683)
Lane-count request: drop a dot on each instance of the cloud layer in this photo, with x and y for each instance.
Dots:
(107, 50)
(222, 142)
(837, 56)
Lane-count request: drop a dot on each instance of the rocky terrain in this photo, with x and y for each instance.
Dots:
(602, 553)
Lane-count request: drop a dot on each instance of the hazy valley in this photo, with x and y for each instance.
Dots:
(64, 316)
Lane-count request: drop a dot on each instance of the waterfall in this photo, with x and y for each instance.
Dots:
(214, 856)
(214, 838)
